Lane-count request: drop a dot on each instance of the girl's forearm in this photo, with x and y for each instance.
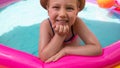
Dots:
(53, 47)
(87, 50)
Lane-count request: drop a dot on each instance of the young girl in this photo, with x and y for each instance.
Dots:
(60, 34)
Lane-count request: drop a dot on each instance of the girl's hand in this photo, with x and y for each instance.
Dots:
(54, 58)
(61, 29)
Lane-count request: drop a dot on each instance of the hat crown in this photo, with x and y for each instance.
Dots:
(81, 6)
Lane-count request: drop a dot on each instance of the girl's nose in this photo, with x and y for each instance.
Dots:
(62, 13)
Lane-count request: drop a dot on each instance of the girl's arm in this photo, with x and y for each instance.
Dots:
(48, 46)
(92, 46)
(87, 50)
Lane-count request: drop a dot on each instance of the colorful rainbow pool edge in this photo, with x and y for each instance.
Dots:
(11, 58)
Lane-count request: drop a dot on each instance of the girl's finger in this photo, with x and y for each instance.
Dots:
(61, 29)
(49, 60)
(57, 57)
(64, 29)
(53, 26)
(67, 28)
(57, 28)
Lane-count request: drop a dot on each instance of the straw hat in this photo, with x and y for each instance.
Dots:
(44, 3)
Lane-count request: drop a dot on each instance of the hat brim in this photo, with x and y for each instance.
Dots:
(44, 3)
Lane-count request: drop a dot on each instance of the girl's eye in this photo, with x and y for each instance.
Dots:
(55, 7)
(69, 8)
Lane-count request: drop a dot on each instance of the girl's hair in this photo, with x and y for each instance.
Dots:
(81, 4)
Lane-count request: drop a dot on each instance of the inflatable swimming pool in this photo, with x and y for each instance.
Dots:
(11, 58)
(17, 24)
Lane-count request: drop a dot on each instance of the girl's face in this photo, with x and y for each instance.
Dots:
(62, 12)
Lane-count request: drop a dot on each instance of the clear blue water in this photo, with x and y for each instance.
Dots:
(20, 24)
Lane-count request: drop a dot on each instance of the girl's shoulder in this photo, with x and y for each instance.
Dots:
(78, 25)
(45, 27)
(44, 23)
(79, 20)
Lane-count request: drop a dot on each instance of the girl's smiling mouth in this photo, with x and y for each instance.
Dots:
(62, 21)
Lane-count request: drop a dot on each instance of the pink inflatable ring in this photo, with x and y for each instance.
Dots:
(11, 58)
